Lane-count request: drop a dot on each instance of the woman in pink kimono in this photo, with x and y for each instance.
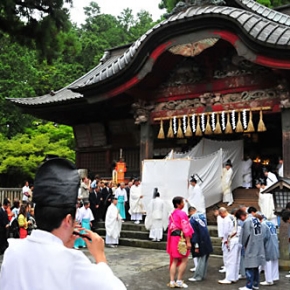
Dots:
(178, 221)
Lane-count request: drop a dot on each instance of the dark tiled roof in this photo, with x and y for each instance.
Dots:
(264, 28)
(257, 23)
(264, 12)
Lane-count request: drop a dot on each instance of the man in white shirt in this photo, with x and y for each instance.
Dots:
(54, 264)
(25, 191)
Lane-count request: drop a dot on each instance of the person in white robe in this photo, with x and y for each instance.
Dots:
(156, 217)
(195, 196)
(231, 247)
(247, 172)
(227, 176)
(86, 218)
(280, 168)
(113, 224)
(53, 263)
(271, 178)
(266, 202)
(121, 195)
(136, 204)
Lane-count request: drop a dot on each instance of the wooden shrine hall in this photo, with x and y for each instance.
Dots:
(220, 71)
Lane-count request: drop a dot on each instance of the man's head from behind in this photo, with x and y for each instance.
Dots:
(55, 195)
(223, 212)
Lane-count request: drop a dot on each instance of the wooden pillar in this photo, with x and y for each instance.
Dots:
(146, 142)
(286, 141)
(283, 231)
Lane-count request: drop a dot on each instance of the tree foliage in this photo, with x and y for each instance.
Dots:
(35, 23)
(170, 4)
(23, 145)
(21, 155)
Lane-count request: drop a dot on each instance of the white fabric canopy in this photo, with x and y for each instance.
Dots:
(233, 150)
(171, 175)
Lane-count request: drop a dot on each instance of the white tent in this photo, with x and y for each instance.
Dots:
(171, 176)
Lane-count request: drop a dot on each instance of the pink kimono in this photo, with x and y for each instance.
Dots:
(178, 221)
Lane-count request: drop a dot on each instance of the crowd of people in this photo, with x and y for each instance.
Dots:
(249, 245)
(248, 237)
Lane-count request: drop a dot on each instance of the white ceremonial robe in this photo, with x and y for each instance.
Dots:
(281, 171)
(247, 173)
(156, 219)
(85, 213)
(226, 185)
(267, 207)
(196, 198)
(113, 224)
(52, 266)
(271, 179)
(121, 192)
(136, 204)
(231, 248)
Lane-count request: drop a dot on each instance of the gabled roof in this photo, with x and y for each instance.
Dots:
(262, 29)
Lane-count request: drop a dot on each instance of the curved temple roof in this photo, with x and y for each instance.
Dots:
(261, 28)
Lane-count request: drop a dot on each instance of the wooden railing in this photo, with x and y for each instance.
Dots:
(11, 193)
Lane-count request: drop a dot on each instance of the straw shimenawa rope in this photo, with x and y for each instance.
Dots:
(198, 131)
(208, 130)
(261, 124)
(239, 127)
(170, 133)
(218, 129)
(228, 129)
(161, 134)
(251, 127)
(179, 130)
(188, 132)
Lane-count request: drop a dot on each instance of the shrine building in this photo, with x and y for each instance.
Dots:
(216, 71)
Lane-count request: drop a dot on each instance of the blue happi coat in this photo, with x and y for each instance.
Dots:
(200, 236)
(252, 240)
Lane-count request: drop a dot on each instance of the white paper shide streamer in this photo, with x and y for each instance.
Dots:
(193, 125)
(233, 119)
(223, 120)
(245, 122)
(203, 122)
(213, 124)
(184, 124)
(174, 126)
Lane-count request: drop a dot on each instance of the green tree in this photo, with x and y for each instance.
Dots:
(35, 23)
(22, 154)
(170, 4)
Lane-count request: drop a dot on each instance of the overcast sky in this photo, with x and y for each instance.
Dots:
(115, 7)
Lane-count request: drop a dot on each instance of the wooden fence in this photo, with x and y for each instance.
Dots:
(11, 193)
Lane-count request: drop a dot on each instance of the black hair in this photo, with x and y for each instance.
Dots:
(177, 200)
(6, 201)
(191, 208)
(288, 205)
(239, 213)
(285, 215)
(86, 202)
(50, 218)
(252, 209)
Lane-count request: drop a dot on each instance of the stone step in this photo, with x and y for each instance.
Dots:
(158, 245)
(127, 226)
(144, 234)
